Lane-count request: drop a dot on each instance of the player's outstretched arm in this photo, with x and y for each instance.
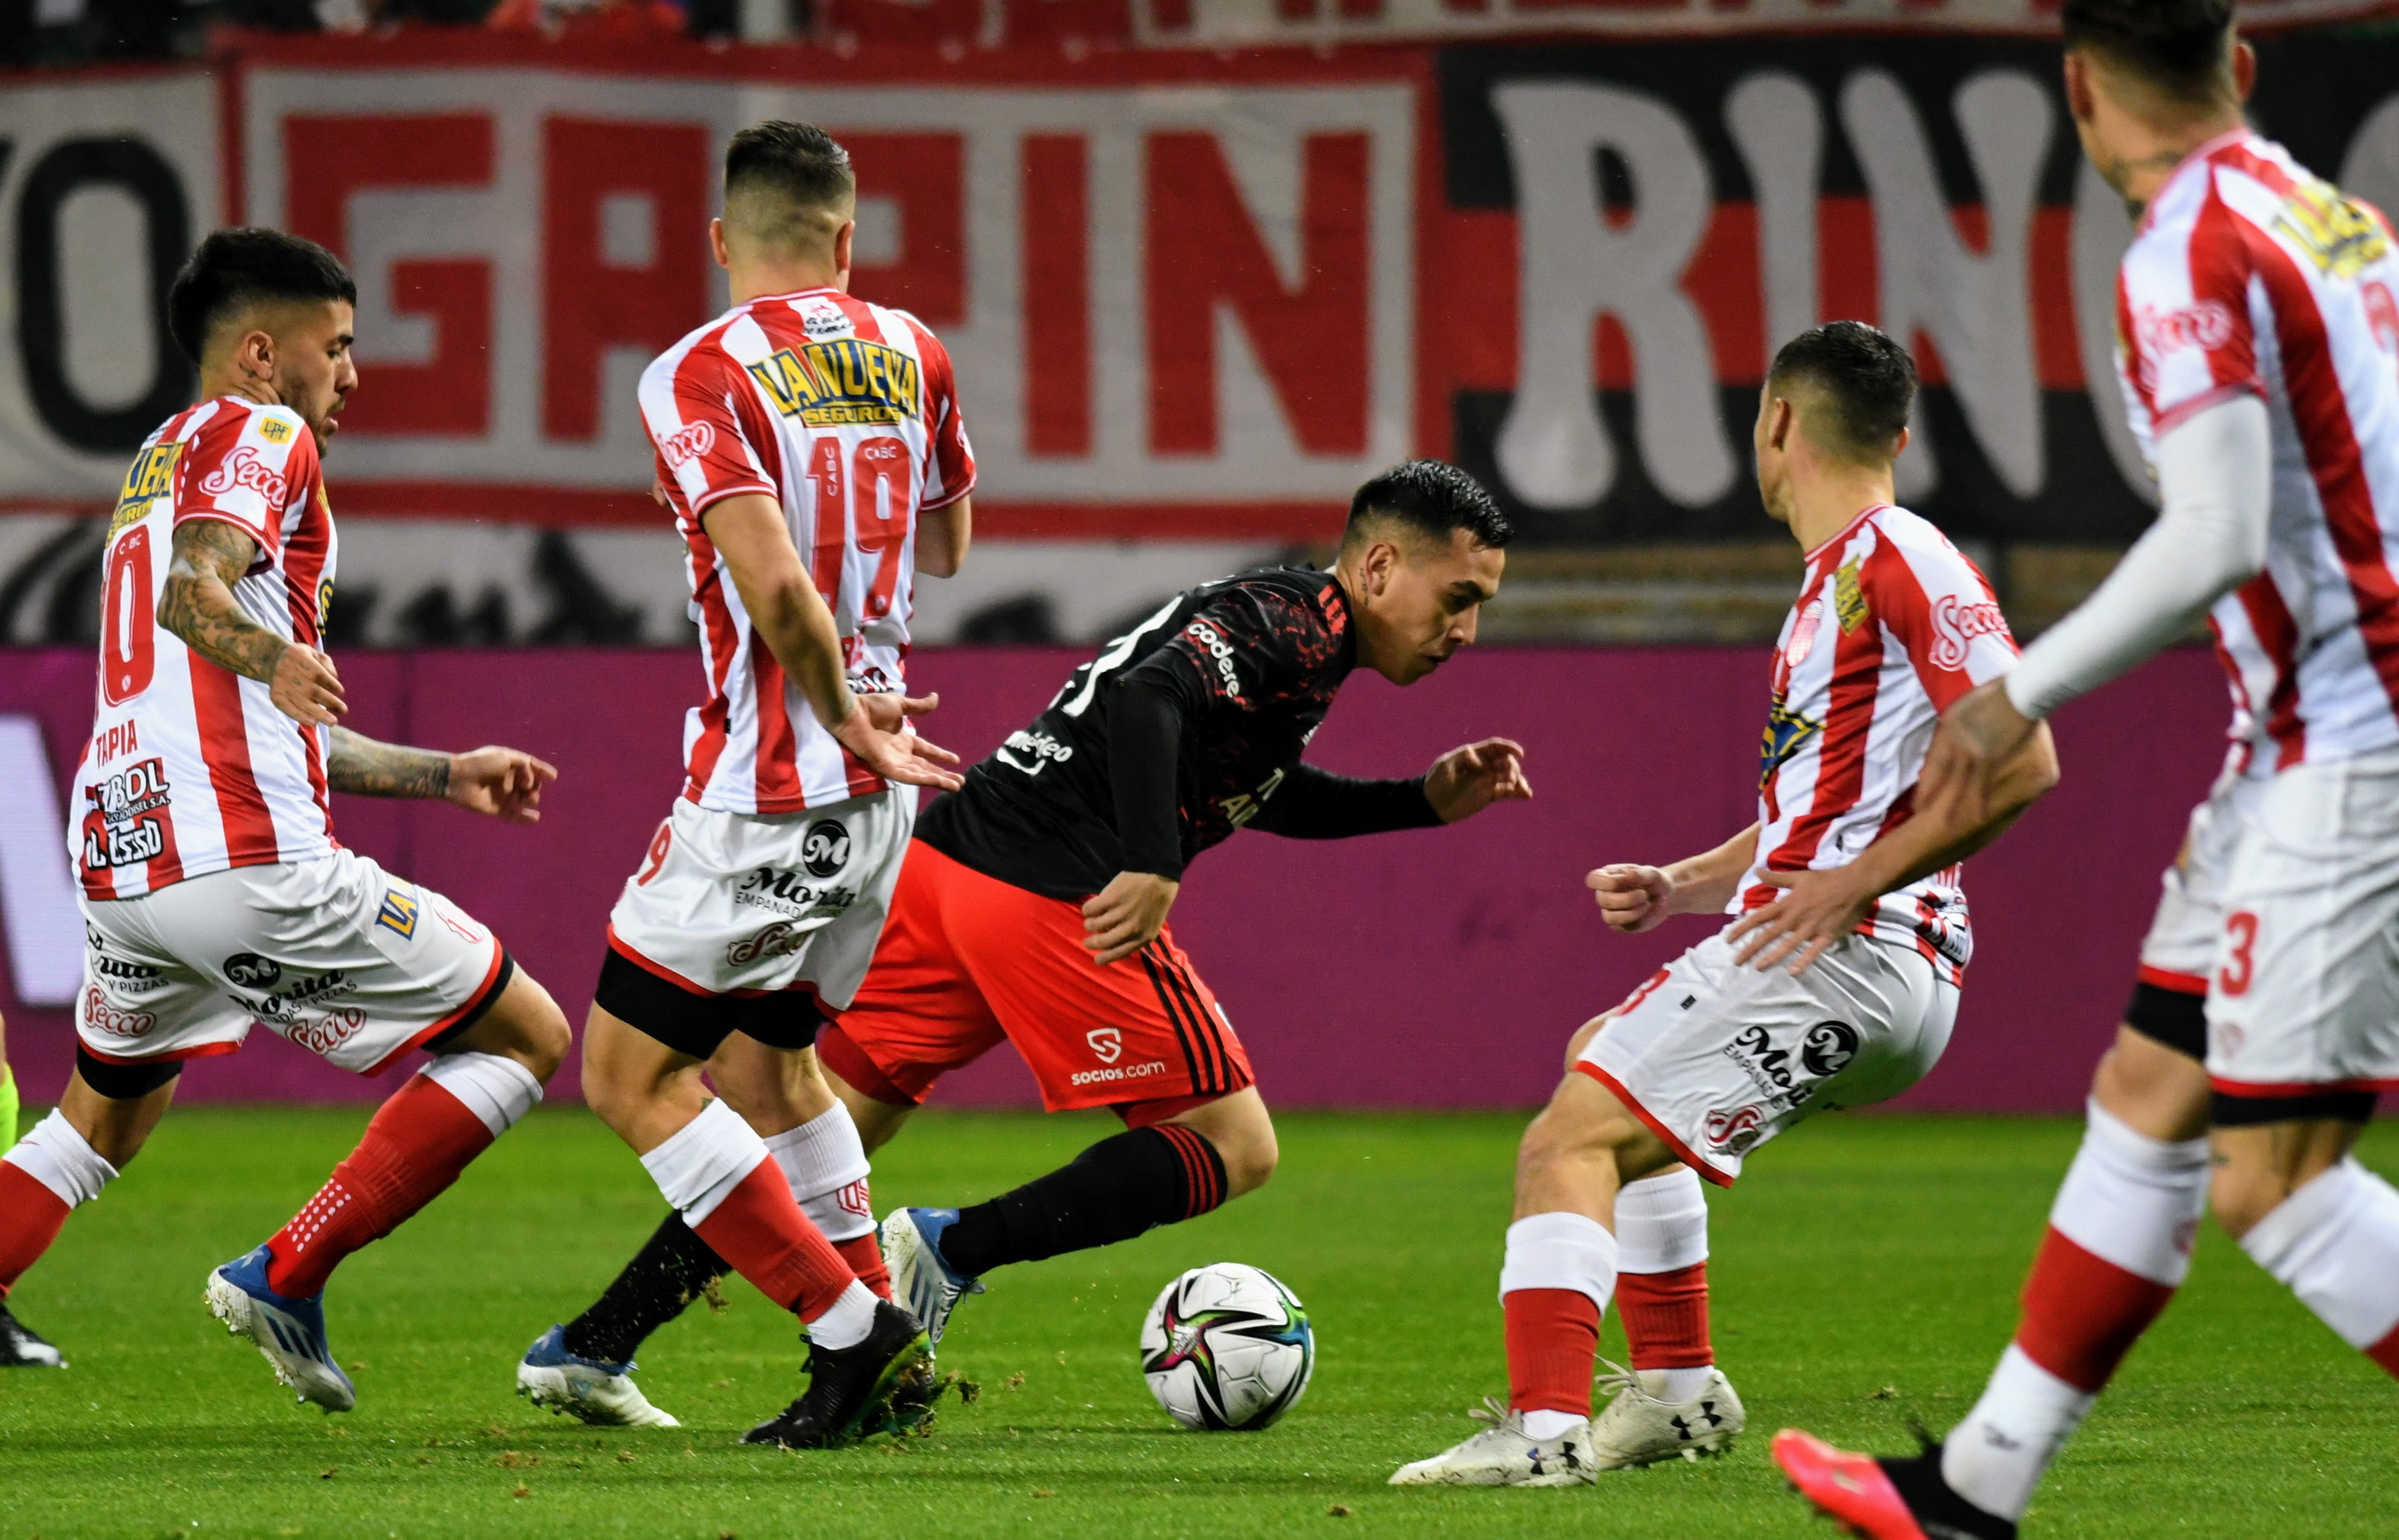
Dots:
(1819, 908)
(2214, 477)
(502, 783)
(1633, 899)
(197, 604)
(788, 612)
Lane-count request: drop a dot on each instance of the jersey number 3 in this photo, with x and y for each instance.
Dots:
(870, 496)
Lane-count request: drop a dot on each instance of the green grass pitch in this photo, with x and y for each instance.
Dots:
(1864, 1270)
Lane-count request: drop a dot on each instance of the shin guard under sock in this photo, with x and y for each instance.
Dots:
(1112, 1192)
(2334, 1243)
(42, 1179)
(1662, 1282)
(673, 1267)
(1553, 1286)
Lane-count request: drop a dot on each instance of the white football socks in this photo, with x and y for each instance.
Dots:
(1996, 1457)
(62, 1160)
(2133, 1200)
(700, 1165)
(2334, 1243)
(1661, 1226)
(1559, 1251)
(825, 1162)
(497, 1090)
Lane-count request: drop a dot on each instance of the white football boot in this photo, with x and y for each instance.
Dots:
(1504, 1455)
(289, 1331)
(1638, 1429)
(922, 1280)
(600, 1394)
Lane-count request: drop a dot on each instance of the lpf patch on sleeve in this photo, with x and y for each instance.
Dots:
(1849, 599)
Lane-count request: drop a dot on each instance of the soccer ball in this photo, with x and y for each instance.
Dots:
(1226, 1346)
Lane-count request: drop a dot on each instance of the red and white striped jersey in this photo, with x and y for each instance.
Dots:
(846, 413)
(190, 768)
(2249, 276)
(1892, 623)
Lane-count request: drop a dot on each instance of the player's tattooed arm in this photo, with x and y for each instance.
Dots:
(505, 783)
(364, 767)
(196, 603)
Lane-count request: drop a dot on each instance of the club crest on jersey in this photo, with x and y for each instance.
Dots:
(151, 477)
(841, 381)
(398, 914)
(2339, 235)
(1849, 599)
(1786, 733)
(1803, 634)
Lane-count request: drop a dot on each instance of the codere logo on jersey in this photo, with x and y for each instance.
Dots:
(841, 381)
(151, 477)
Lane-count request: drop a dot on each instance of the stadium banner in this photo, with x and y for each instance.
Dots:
(1438, 968)
(1193, 297)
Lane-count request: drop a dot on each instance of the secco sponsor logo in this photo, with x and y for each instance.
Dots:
(688, 443)
(322, 1034)
(102, 1015)
(1956, 623)
(245, 470)
(1120, 1072)
(1732, 1132)
(779, 939)
(1219, 649)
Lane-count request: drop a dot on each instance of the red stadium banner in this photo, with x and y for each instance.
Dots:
(1190, 295)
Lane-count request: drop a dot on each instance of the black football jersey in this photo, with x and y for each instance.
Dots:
(1253, 662)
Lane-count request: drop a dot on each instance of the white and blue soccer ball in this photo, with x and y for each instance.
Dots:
(1228, 1346)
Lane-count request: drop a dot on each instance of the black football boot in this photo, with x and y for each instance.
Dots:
(852, 1390)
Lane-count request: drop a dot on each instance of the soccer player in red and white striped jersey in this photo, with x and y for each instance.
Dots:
(2257, 339)
(811, 447)
(1836, 985)
(214, 895)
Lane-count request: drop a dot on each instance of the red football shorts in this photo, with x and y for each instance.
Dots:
(966, 960)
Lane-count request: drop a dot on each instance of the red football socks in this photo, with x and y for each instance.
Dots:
(2082, 1314)
(758, 1229)
(29, 1216)
(415, 1146)
(1665, 1317)
(864, 1254)
(1552, 1341)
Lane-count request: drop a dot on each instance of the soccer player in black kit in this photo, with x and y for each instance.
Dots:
(1032, 904)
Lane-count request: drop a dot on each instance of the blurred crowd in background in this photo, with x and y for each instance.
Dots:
(52, 33)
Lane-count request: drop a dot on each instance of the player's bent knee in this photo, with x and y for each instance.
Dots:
(524, 1024)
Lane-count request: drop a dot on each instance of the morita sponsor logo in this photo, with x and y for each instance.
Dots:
(789, 894)
(245, 471)
(285, 1005)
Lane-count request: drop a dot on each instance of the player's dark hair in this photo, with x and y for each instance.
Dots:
(1431, 497)
(1863, 380)
(244, 267)
(2178, 46)
(796, 164)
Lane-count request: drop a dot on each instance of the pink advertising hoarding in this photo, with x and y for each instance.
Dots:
(1441, 968)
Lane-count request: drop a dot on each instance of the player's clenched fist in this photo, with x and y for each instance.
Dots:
(306, 688)
(505, 783)
(1632, 897)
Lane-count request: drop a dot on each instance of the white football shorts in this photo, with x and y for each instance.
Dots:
(2305, 994)
(2179, 952)
(744, 903)
(1717, 1058)
(333, 954)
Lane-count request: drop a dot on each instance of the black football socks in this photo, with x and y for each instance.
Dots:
(1937, 1509)
(1112, 1192)
(672, 1268)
